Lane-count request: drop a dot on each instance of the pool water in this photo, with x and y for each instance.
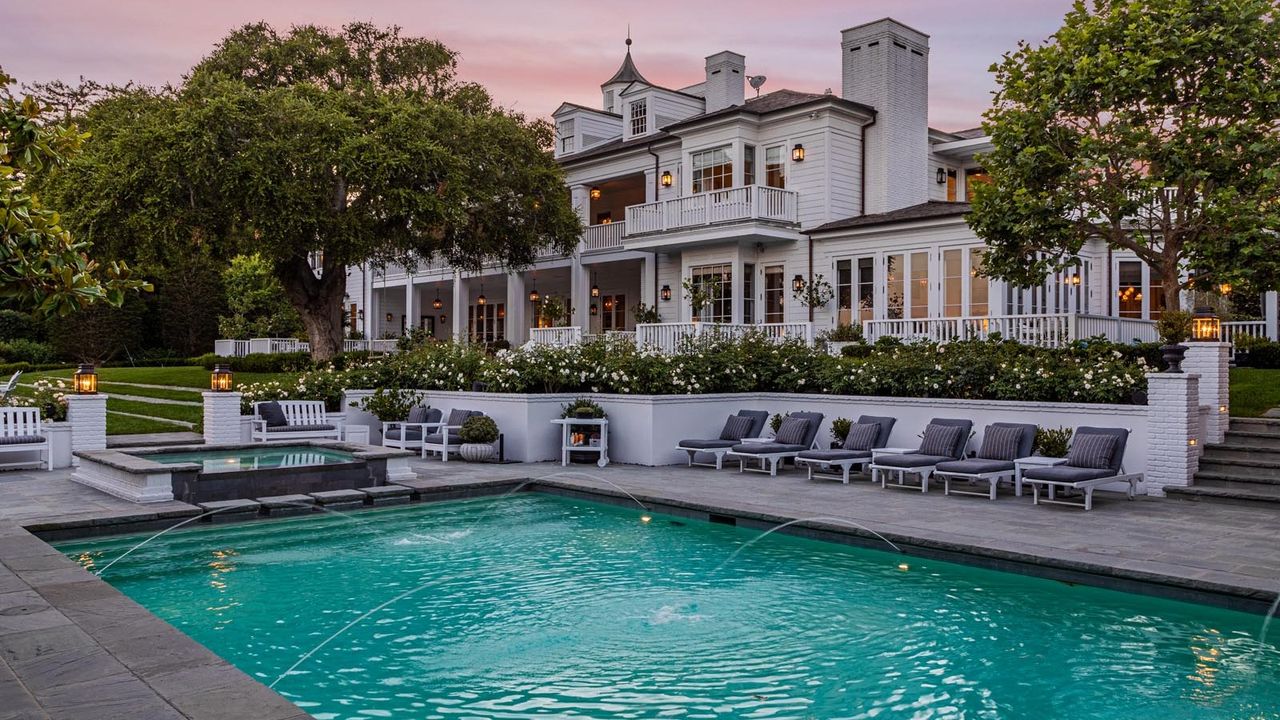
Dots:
(255, 458)
(536, 606)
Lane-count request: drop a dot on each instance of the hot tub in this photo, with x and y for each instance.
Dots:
(204, 473)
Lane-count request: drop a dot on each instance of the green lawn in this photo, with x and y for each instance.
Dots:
(125, 425)
(183, 377)
(185, 413)
(1254, 391)
(162, 393)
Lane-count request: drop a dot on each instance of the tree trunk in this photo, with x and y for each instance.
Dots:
(1169, 273)
(318, 302)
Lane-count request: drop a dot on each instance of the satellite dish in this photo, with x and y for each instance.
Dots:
(756, 81)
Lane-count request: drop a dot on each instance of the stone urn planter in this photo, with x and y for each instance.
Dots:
(476, 452)
(478, 434)
(1173, 356)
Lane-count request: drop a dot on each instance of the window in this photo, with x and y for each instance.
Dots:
(951, 186)
(844, 292)
(712, 170)
(866, 288)
(748, 164)
(487, 322)
(749, 293)
(919, 284)
(972, 177)
(895, 287)
(718, 281)
(565, 131)
(774, 287)
(952, 283)
(979, 285)
(613, 312)
(608, 100)
(775, 167)
(1130, 292)
(639, 117)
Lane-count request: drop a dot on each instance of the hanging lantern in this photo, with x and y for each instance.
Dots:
(437, 303)
(86, 380)
(534, 296)
(1205, 325)
(595, 193)
(222, 378)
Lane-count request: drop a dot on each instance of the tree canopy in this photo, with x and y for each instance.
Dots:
(317, 150)
(1151, 125)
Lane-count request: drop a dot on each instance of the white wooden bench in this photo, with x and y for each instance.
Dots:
(304, 420)
(21, 431)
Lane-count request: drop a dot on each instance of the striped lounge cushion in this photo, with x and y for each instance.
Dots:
(940, 440)
(1091, 451)
(20, 439)
(1000, 443)
(862, 436)
(735, 428)
(792, 431)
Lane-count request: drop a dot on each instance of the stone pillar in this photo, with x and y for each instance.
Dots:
(1210, 361)
(458, 311)
(517, 321)
(1173, 422)
(88, 417)
(221, 418)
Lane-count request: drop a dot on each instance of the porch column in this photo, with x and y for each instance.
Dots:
(735, 289)
(458, 310)
(371, 309)
(580, 293)
(410, 307)
(517, 325)
(366, 300)
(650, 185)
(648, 279)
(1271, 311)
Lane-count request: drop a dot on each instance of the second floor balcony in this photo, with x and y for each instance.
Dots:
(755, 204)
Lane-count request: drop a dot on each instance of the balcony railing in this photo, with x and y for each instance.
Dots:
(605, 236)
(1045, 330)
(667, 337)
(751, 202)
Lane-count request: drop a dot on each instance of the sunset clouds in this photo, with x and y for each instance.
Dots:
(532, 55)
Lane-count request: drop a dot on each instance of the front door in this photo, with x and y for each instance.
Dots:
(774, 287)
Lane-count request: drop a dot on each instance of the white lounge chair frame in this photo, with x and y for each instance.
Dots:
(18, 421)
(845, 465)
(768, 461)
(402, 443)
(297, 412)
(1087, 486)
(991, 478)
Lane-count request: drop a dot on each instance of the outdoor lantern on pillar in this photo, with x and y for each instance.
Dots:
(443, 318)
(666, 293)
(797, 283)
(797, 153)
(595, 289)
(595, 193)
(222, 378)
(666, 178)
(1205, 325)
(86, 380)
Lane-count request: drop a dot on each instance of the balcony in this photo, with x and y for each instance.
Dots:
(606, 236)
(773, 210)
(1044, 330)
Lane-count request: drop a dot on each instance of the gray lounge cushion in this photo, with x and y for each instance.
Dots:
(911, 460)
(1091, 451)
(435, 438)
(21, 439)
(792, 431)
(758, 419)
(835, 455)
(457, 416)
(707, 444)
(975, 466)
(300, 428)
(886, 427)
(273, 414)
(412, 434)
(1067, 474)
(736, 428)
(423, 414)
(1001, 442)
(767, 448)
(940, 440)
(862, 436)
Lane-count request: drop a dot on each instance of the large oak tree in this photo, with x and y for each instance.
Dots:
(317, 150)
(1153, 125)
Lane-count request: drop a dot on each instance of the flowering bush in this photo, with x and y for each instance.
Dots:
(48, 395)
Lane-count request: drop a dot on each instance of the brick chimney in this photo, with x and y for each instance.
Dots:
(726, 78)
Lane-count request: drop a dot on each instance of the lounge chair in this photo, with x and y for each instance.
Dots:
(407, 434)
(735, 430)
(855, 449)
(444, 436)
(796, 434)
(1002, 444)
(1096, 457)
(943, 440)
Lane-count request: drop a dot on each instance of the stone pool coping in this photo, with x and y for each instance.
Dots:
(134, 459)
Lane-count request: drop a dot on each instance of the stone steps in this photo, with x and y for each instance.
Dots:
(1268, 496)
(1214, 467)
(1269, 426)
(1243, 470)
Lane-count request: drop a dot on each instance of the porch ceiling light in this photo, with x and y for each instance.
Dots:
(797, 283)
(534, 296)
(595, 193)
(86, 380)
(595, 290)
(797, 153)
(437, 304)
(222, 379)
(666, 178)
(666, 293)
(1205, 325)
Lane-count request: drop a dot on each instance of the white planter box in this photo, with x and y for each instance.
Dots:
(60, 443)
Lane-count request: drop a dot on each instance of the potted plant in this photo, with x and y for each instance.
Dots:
(1052, 442)
(1174, 327)
(388, 404)
(775, 422)
(586, 409)
(839, 430)
(478, 434)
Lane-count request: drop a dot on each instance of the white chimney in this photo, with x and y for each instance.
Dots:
(886, 66)
(726, 75)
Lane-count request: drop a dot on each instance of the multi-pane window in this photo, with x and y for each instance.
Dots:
(608, 100)
(855, 290)
(748, 293)
(919, 284)
(614, 312)
(712, 170)
(895, 297)
(844, 292)
(1130, 292)
(866, 287)
(639, 117)
(774, 288)
(951, 186)
(952, 282)
(748, 164)
(775, 167)
(487, 322)
(565, 130)
(717, 282)
(972, 177)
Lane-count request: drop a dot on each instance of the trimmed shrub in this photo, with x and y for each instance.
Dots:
(479, 429)
(27, 351)
(16, 325)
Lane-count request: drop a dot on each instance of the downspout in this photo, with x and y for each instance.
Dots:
(862, 159)
(657, 187)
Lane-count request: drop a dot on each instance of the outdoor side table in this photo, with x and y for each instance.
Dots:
(356, 434)
(1032, 462)
(566, 446)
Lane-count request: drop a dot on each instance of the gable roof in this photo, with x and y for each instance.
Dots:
(613, 146)
(923, 211)
(575, 106)
(773, 102)
(627, 73)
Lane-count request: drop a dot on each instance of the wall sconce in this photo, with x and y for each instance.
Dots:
(595, 309)
(797, 153)
(443, 318)
(391, 317)
(595, 193)
(86, 380)
(360, 314)
(1224, 288)
(666, 178)
(1205, 325)
(941, 177)
(534, 296)
(797, 283)
(1191, 442)
(666, 293)
(221, 379)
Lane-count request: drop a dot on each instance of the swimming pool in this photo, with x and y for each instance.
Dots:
(257, 457)
(538, 606)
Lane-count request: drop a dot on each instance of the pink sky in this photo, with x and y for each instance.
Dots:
(533, 55)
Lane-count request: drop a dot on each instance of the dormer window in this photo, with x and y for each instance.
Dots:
(564, 129)
(639, 117)
(608, 101)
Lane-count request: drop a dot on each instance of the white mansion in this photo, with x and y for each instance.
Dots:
(758, 195)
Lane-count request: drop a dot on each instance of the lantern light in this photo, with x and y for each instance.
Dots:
(437, 303)
(666, 178)
(595, 309)
(443, 318)
(666, 293)
(1225, 288)
(595, 193)
(941, 178)
(86, 380)
(534, 296)
(797, 283)
(391, 317)
(1205, 325)
(222, 378)
(608, 303)
(797, 153)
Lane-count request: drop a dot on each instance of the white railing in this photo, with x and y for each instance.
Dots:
(241, 348)
(1232, 331)
(383, 345)
(556, 336)
(667, 337)
(1044, 330)
(605, 236)
(751, 202)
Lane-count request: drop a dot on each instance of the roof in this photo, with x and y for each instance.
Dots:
(772, 102)
(576, 106)
(970, 134)
(614, 146)
(627, 72)
(923, 211)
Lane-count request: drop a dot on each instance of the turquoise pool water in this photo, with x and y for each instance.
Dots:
(255, 458)
(535, 606)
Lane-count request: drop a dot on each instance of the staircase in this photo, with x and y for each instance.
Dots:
(1243, 469)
